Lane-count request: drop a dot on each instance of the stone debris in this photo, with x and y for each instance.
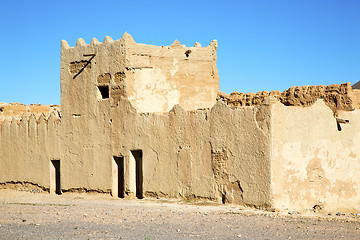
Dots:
(293, 213)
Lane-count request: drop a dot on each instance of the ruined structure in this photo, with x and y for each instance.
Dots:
(148, 121)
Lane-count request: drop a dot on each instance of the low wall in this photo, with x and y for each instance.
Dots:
(27, 146)
(315, 163)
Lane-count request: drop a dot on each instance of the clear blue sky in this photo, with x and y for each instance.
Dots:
(263, 44)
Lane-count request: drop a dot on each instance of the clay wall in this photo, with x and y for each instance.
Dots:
(27, 147)
(221, 154)
(315, 160)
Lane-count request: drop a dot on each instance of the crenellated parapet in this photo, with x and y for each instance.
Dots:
(28, 125)
(17, 111)
(153, 78)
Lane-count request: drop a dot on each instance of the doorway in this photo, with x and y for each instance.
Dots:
(118, 177)
(55, 186)
(136, 172)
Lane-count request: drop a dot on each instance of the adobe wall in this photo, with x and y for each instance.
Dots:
(222, 154)
(314, 164)
(26, 148)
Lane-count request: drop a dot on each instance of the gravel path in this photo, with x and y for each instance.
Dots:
(25, 215)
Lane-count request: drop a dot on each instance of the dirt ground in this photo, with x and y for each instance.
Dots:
(33, 215)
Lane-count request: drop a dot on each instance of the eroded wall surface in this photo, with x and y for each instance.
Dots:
(158, 77)
(27, 147)
(336, 96)
(314, 164)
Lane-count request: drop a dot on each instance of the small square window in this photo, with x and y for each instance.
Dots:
(104, 90)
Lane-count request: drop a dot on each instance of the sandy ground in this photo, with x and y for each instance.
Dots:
(26, 215)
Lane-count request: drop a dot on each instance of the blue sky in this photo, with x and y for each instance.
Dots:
(263, 45)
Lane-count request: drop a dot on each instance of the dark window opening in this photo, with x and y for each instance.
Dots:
(104, 90)
(120, 176)
(138, 172)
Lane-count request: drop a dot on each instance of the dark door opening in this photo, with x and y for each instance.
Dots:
(56, 167)
(137, 154)
(120, 178)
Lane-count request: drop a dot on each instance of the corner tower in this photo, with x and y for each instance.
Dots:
(95, 76)
(153, 78)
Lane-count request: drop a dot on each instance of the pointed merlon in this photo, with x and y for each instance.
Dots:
(23, 118)
(42, 118)
(176, 43)
(127, 37)
(14, 121)
(80, 42)
(108, 39)
(197, 45)
(32, 119)
(177, 110)
(64, 44)
(214, 43)
(94, 41)
(5, 124)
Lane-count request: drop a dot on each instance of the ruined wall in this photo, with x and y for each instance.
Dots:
(336, 96)
(17, 110)
(220, 153)
(315, 161)
(27, 147)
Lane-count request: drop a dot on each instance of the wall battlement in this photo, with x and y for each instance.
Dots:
(9, 111)
(108, 40)
(153, 78)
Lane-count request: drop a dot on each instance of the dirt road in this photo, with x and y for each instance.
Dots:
(25, 215)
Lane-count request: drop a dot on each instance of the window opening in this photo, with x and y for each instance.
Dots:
(104, 91)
